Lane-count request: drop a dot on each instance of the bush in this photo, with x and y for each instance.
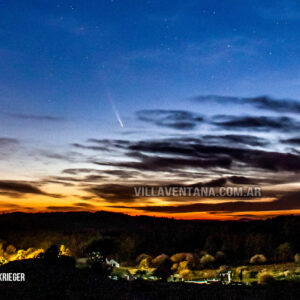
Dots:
(283, 252)
(242, 273)
(192, 259)
(139, 274)
(207, 260)
(177, 258)
(11, 249)
(145, 263)
(164, 269)
(175, 267)
(258, 259)
(98, 264)
(3, 261)
(120, 273)
(186, 274)
(265, 278)
(158, 260)
(142, 257)
(1, 249)
(51, 254)
(220, 256)
(183, 265)
(297, 258)
(63, 250)
(297, 271)
(66, 261)
(252, 274)
(223, 269)
(106, 246)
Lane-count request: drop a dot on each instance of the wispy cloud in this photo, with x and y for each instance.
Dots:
(22, 188)
(176, 119)
(4, 142)
(32, 117)
(261, 102)
(257, 123)
(289, 201)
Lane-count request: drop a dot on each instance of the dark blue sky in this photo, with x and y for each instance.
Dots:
(71, 69)
(59, 57)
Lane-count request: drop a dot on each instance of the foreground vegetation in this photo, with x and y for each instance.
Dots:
(158, 257)
(46, 280)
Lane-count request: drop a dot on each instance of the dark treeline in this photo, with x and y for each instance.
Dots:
(277, 239)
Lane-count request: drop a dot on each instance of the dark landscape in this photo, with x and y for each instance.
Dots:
(125, 239)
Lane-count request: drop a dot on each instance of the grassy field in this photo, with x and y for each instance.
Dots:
(50, 281)
(251, 273)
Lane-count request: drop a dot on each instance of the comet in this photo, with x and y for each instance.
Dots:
(114, 108)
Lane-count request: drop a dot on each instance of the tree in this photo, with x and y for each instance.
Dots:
(105, 246)
(164, 269)
(178, 257)
(212, 243)
(51, 254)
(98, 264)
(127, 248)
(283, 252)
(144, 257)
(265, 278)
(158, 260)
(11, 249)
(191, 259)
(258, 259)
(207, 260)
(220, 256)
(297, 258)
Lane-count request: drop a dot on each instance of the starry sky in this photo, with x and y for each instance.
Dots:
(97, 97)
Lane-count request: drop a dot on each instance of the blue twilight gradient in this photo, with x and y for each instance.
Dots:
(62, 58)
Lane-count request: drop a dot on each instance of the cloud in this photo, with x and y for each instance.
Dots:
(102, 144)
(66, 180)
(124, 174)
(258, 123)
(64, 208)
(175, 119)
(292, 141)
(261, 102)
(159, 163)
(214, 183)
(97, 174)
(70, 156)
(236, 139)
(8, 147)
(126, 192)
(84, 205)
(96, 148)
(113, 192)
(10, 194)
(243, 180)
(110, 143)
(78, 171)
(201, 155)
(289, 201)
(21, 187)
(8, 205)
(187, 157)
(4, 142)
(31, 117)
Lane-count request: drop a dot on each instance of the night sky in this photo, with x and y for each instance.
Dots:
(99, 96)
